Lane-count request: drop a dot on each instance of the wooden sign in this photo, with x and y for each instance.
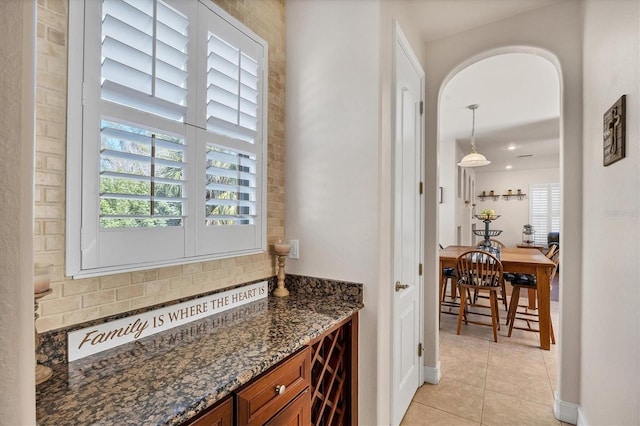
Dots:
(91, 340)
(614, 133)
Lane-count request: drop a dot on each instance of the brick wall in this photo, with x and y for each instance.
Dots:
(75, 301)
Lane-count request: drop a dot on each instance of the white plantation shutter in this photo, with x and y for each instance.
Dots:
(234, 82)
(232, 112)
(554, 189)
(144, 56)
(231, 187)
(544, 210)
(232, 91)
(171, 156)
(141, 177)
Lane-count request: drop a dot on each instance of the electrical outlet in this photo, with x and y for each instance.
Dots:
(294, 253)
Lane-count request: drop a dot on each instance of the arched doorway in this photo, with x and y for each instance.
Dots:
(569, 138)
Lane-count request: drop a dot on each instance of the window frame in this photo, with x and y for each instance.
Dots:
(78, 242)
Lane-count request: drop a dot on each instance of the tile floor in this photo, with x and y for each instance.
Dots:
(511, 382)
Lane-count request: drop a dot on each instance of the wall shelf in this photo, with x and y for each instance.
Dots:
(520, 196)
(490, 196)
(495, 197)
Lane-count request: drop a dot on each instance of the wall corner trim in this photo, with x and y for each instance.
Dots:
(565, 411)
(432, 374)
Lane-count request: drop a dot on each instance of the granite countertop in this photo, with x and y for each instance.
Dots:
(169, 377)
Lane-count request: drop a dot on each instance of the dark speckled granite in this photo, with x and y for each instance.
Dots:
(171, 376)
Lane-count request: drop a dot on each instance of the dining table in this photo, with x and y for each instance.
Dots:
(517, 260)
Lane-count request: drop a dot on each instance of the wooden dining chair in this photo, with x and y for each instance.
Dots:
(495, 248)
(551, 251)
(480, 272)
(448, 274)
(496, 243)
(528, 282)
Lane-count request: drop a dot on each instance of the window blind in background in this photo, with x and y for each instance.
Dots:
(544, 210)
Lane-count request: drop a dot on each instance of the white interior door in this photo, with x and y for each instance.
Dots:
(407, 287)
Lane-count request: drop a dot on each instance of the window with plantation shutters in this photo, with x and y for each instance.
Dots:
(167, 117)
(544, 210)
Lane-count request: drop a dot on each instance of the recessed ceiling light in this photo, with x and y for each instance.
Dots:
(511, 147)
(508, 167)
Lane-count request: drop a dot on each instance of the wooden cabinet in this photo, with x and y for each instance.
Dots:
(334, 375)
(220, 415)
(266, 396)
(316, 386)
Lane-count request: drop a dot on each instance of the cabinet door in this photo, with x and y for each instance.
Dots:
(297, 413)
(220, 415)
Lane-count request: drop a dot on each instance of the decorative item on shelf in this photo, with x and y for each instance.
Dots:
(487, 216)
(528, 235)
(474, 159)
(519, 195)
(282, 251)
(41, 288)
(491, 195)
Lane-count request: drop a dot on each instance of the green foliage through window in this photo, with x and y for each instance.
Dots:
(141, 177)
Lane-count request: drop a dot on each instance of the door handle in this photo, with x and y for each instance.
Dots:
(400, 286)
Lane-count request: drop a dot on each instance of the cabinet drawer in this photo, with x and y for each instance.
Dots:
(259, 401)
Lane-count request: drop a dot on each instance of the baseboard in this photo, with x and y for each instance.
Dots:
(565, 411)
(582, 419)
(431, 374)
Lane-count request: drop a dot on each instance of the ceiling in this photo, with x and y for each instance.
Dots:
(518, 93)
(519, 107)
(443, 18)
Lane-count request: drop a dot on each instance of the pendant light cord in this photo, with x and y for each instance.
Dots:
(473, 130)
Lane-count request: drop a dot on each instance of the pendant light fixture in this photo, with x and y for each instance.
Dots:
(474, 159)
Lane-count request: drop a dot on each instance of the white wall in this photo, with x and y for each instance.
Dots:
(553, 32)
(610, 374)
(332, 143)
(514, 213)
(338, 163)
(448, 180)
(17, 87)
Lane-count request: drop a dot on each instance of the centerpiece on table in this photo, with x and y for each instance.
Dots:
(487, 216)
